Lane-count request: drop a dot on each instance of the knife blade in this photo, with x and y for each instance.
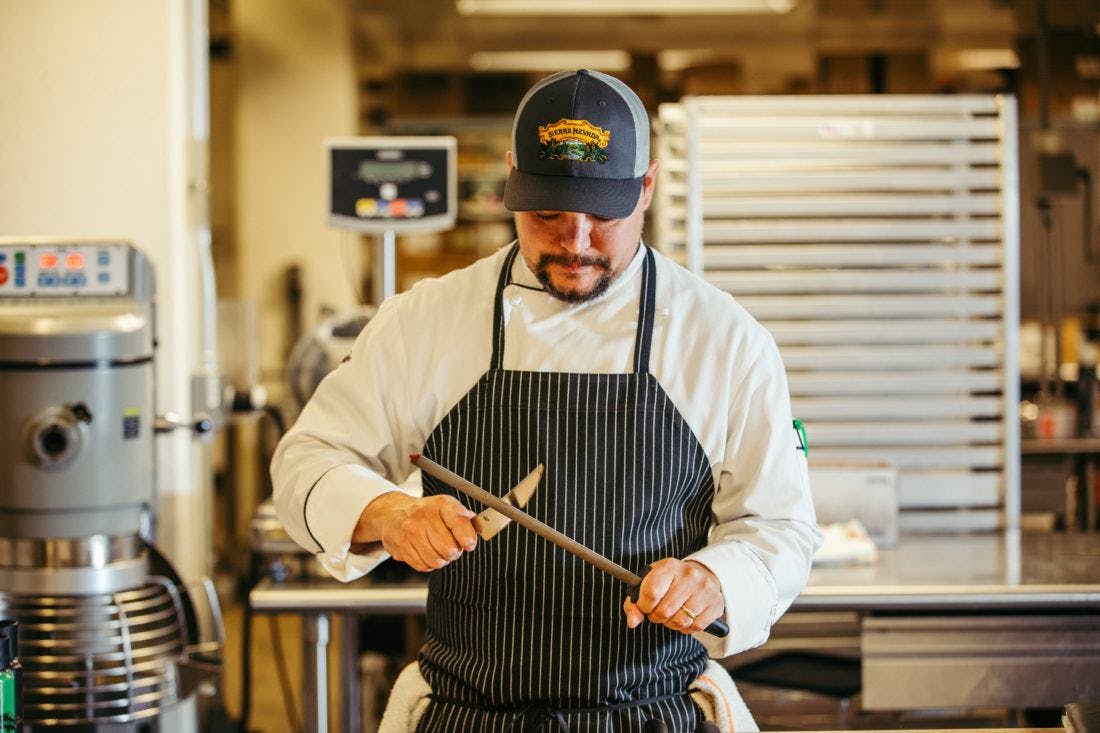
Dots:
(490, 522)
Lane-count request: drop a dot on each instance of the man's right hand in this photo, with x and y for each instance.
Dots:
(425, 534)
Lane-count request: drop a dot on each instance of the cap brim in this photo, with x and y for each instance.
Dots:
(613, 198)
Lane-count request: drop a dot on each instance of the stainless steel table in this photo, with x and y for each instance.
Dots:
(958, 572)
(925, 574)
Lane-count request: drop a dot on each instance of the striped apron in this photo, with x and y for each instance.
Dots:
(521, 635)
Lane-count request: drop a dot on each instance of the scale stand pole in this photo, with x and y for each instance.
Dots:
(385, 266)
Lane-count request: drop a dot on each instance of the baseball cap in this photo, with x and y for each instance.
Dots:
(580, 142)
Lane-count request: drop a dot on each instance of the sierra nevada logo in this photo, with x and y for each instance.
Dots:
(573, 140)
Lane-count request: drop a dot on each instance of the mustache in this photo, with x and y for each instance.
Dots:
(574, 261)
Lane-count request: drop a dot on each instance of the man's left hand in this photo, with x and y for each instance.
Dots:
(672, 591)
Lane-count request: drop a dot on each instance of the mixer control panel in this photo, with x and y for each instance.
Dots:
(64, 270)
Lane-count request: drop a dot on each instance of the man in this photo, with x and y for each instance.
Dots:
(658, 406)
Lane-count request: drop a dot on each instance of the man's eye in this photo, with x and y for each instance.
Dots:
(545, 216)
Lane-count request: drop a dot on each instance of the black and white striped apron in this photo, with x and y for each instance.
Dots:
(521, 634)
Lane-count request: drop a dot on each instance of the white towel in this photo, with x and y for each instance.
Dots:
(714, 693)
(408, 701)
(717, 696)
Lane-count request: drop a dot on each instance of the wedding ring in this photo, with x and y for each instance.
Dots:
(690, 614)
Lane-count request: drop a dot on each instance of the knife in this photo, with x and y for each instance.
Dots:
(718, 627)
(490, 522)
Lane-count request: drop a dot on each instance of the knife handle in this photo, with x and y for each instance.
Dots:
(718, 627)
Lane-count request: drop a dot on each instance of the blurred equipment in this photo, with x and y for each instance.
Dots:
(109, 636)
(322, 349)
(866, 492)
(385, 185)
(281, 557)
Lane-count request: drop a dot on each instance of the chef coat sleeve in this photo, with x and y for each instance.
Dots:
(765, 532)
(349, 446)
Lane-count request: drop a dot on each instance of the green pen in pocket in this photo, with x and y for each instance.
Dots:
(7, 681)
(803, 444)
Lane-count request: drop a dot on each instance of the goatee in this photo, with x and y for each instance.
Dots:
(542, 272)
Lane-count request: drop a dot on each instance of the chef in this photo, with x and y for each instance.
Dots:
(657, 405)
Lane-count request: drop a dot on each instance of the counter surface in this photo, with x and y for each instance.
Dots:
(925, 572)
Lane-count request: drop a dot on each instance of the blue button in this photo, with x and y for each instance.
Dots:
(104, 277)
(20, 282)
(104, 258)
(3, 257)
(20, 269)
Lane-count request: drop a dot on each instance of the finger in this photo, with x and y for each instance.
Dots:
(668, 606)
(703, 614)
(668, 609)
(408, 555)
(442, 541)
(653, 588)
(633, 615)
(460, 524)
(704, 619)
(449, 504)
(428, 554)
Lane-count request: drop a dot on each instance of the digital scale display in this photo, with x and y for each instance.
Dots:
(380, 184)
(377, 172)
(78, 269)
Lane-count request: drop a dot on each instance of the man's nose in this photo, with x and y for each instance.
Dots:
(576, 235)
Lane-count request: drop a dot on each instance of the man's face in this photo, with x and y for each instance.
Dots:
(577, 256)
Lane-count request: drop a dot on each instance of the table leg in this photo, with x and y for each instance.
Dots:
(315, 636)
(349, 673)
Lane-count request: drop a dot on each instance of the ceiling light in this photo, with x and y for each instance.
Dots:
(682, 59)
(549, 60)
(622, 7)
(985, 59)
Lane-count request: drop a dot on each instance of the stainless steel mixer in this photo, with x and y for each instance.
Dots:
(109, 632)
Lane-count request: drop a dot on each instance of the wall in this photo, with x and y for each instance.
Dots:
(100, 136)
(295, 79)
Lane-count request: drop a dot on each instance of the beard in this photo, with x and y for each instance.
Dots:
(542, 272)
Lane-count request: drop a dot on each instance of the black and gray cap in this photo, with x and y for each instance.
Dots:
(580, 142)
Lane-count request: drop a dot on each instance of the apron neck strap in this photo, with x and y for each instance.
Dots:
(498, 307)
(643, 339)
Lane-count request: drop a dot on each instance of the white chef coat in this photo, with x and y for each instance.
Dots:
(426, 348)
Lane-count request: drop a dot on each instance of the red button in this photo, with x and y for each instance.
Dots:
(3, 275)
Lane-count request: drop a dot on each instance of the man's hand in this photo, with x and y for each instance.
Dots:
(670, 587)
(425, 534)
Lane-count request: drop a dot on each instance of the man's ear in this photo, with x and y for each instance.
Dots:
(508, 160)
(649, 183)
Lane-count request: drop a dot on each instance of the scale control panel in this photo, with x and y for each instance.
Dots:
(64, 270)
(379, 184)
